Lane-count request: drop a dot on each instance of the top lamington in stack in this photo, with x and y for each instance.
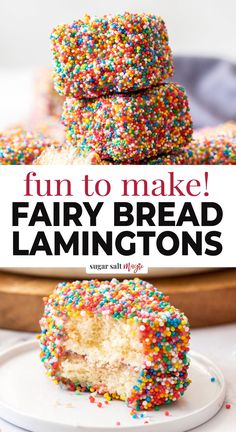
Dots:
(113, 71)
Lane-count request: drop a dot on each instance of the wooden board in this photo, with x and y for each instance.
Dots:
(207, 298)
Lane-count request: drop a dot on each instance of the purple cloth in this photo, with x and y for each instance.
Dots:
(210, 86)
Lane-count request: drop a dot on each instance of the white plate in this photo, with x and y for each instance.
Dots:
(30, 400)
(79, 273)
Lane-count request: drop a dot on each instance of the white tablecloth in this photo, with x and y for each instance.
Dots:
(217, 343)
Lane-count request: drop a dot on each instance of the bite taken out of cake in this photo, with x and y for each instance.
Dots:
(120, 339)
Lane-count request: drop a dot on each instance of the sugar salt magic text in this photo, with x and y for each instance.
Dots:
(81, 223)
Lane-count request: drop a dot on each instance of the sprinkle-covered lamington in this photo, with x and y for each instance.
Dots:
(120, 339)
(210, 146)
(116, 53)
(130, 126)
(214, 146)
(21, 147)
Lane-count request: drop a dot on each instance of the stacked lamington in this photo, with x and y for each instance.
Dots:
(113, 73)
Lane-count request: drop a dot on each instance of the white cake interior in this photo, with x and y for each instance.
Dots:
(103, 351)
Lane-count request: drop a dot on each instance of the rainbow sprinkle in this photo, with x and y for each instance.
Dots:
(130, 127)
(115, 53)
(21, 147)
(214, 146)
(210, 146)
(163, 333)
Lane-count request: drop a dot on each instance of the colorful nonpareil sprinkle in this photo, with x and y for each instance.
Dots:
(92, 399)
(130, 127)
(49, 127)
(96, 56)
(21, 147)
(163, 333)
(212, 146)
(177, 158)
(208, 148)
